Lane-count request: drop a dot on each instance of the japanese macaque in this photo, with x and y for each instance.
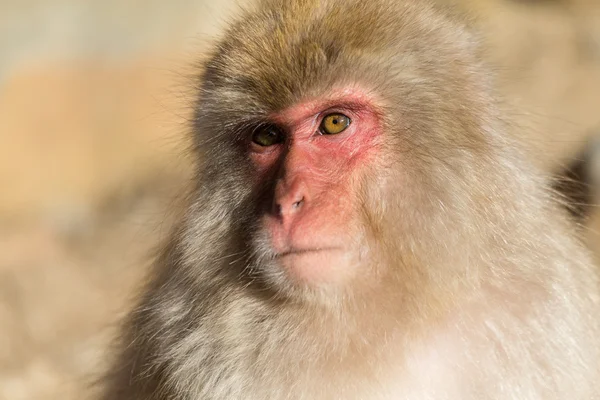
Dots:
(364, 226)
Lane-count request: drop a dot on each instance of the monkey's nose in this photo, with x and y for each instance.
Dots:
(290, 198)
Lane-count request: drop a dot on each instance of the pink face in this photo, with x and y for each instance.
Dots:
(314, 208)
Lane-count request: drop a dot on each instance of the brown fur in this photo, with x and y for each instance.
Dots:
(478, 290)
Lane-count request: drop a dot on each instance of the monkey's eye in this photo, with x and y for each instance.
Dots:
(334, 123)
(267, 136)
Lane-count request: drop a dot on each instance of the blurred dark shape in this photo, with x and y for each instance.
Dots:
(577, 183)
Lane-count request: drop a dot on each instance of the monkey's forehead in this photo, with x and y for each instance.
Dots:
(286, 50)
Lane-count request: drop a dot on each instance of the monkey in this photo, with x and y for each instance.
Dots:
(362, 225)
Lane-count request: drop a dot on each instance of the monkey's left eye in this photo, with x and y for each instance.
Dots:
(267, 136)
(334, 123)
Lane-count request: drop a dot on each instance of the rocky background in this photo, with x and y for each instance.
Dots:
(94, 102)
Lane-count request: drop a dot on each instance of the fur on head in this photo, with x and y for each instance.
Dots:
(438, 121)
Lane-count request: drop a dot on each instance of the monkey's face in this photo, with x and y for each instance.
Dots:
(360, 144)
(313, 159)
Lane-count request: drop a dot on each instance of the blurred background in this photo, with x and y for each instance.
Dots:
(95, 99)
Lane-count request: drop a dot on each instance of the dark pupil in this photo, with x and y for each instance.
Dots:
(335, 121)
(269, 136)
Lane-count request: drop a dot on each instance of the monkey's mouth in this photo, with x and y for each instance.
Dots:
(315, 265)
(299, 252)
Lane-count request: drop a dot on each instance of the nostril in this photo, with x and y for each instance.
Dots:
(289, 206)
(298, 203)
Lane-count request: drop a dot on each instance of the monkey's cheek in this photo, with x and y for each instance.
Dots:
(318, 267)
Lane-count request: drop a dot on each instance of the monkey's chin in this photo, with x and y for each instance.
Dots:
(315, 267)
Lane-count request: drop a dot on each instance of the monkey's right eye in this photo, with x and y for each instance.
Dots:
(267, 136)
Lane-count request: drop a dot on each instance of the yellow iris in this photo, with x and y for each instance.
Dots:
(334, 123)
